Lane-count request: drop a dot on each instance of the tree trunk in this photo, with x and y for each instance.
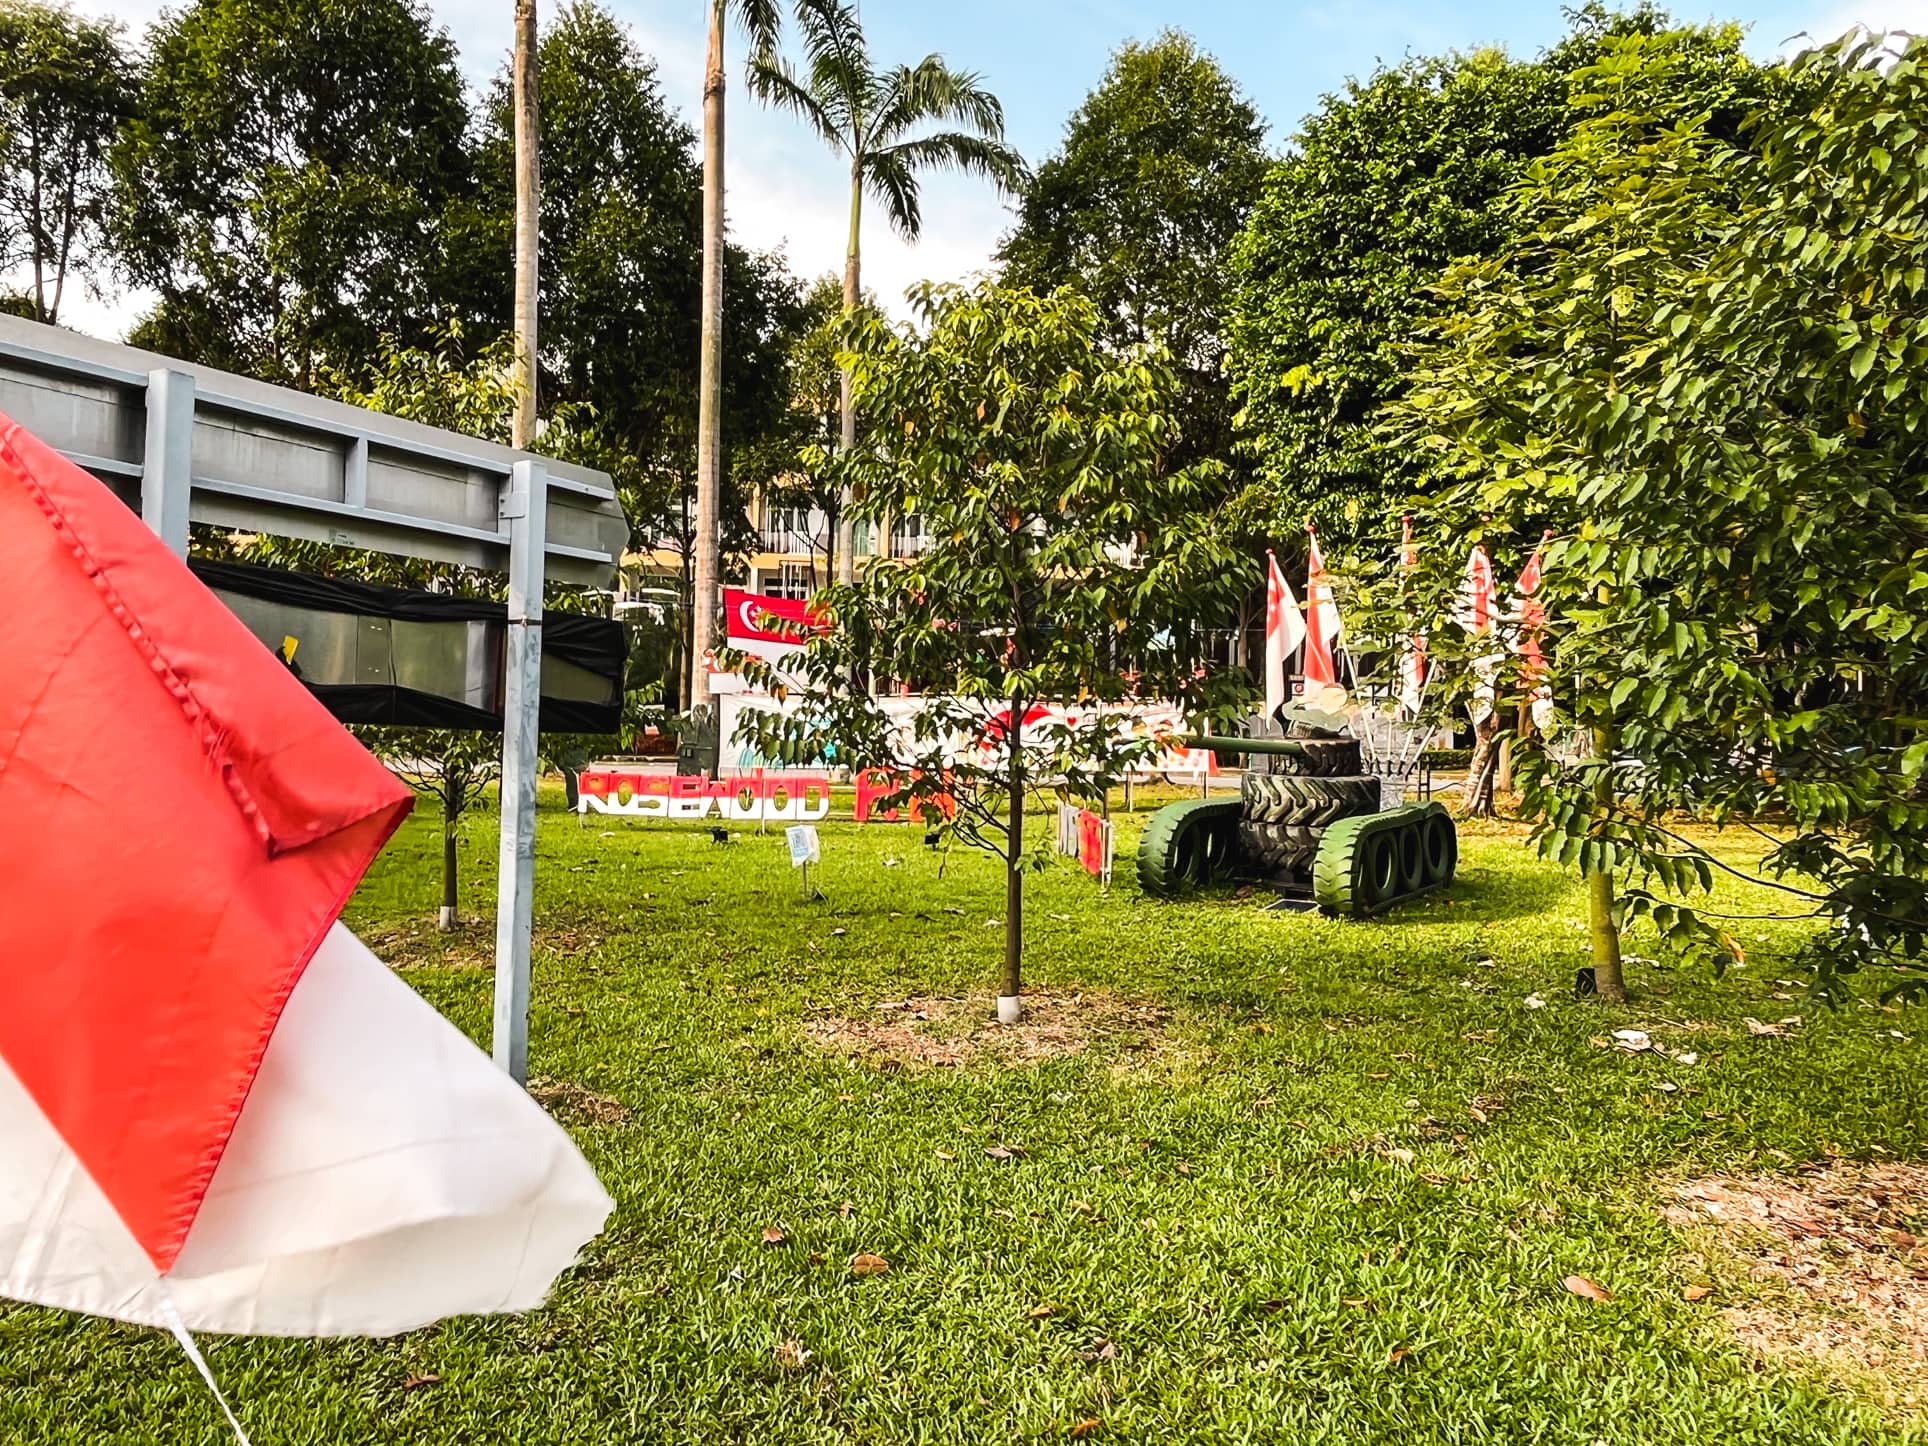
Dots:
(1012, 979)
(709, 410)
(1476, 799)
(451, 862)
(528, 198)
(1607, 975)
(846, 404)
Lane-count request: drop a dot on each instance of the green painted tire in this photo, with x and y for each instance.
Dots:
(1188, 845)
(1440, 844)
(1364, 863)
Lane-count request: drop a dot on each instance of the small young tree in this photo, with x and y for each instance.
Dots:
(452, 768)
(1061, 570)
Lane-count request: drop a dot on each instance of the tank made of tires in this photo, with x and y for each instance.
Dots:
(1304, 833)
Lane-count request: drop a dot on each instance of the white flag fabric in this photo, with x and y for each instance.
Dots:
(382, 1175)
(1412, 650)
(1284, 631)
(1474, 610)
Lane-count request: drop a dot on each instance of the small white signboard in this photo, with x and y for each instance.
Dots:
(804, 846)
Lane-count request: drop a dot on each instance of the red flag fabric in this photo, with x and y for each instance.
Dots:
(1284, 631)
(1474, 611)
(1322, 625)
(1531, 622)
(183, 823)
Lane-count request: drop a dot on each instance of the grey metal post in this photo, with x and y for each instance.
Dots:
(525, 506)
(167, 466)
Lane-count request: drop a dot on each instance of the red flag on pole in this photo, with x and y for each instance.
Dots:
(1412, 653)
(1322, 624)
(1474, 610)
(1531, 615)
(1284, 631)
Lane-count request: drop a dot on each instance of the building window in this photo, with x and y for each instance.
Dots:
(907, 536)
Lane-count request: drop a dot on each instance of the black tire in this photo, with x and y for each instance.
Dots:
(1278, 848)
(1305, 802)
(1324, 757)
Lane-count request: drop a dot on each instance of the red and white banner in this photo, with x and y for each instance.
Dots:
(1475, 610)
(1322, 624)
(1530, 623)
(1412, 652)
(1284, 631)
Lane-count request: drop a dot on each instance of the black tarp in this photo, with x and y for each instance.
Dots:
(386, 655)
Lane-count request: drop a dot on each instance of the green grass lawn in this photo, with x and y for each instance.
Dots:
(1323, 1186)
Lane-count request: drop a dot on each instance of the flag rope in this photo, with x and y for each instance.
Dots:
(178, 1329)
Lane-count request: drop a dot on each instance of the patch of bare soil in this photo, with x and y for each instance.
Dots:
(948, 1033)
(572, 1104)
(1844, 1270)
(469, 945)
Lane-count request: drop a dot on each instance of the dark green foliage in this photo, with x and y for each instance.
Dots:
(1157, 174)
(1700, 367)
(285, 183)
(1386, 185)
(66, 88)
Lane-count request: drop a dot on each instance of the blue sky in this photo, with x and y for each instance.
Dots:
(1041, 57)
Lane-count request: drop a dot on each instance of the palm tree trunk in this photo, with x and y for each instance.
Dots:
(528, 193)
(847, 409)
(709, 410)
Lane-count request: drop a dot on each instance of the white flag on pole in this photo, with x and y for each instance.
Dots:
(1284, 631)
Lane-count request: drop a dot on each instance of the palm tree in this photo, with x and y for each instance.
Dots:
(759, 18)
(528, 188)
(874, 118)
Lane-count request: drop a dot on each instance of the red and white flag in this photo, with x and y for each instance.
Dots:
(218, 1110)
(1529, 624)
(1322, 624)
(1412, 652)
(1476, 610)
(1284, 631)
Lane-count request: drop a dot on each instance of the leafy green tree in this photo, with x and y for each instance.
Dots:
(284, 184)
(1384, 187)
(880, 120)
(1159, 170)
(1699, 366)
(66, 88)
(1064, 566)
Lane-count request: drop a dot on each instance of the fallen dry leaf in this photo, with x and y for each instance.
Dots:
(1403, 1156)
(1697, 1292)
(1037, 1312)
(868, 1264)
(1000, 1152)
(773, 1235)
(1477, 1113)
(1398, 1354)
(847, 1208)
(1756, 1026)
(945, 1155)
(1085, 1428)
(415, 1383)
(791, 1356)
(1579, 1285)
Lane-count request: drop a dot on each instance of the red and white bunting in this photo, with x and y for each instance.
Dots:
(1476, 610)
(1530, 623)
(1412, 652)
